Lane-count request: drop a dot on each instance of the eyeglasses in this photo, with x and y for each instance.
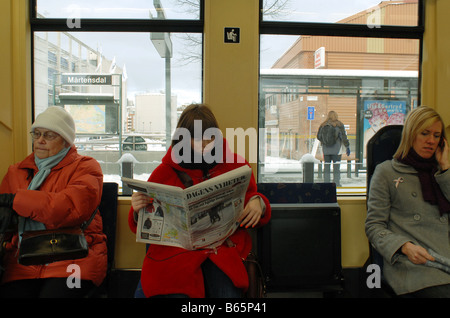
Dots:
(48, 135)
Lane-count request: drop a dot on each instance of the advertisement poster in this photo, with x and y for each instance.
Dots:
(380, 113)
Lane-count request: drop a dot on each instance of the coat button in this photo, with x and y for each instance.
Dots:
(416, 217)
(443, 219)
(414, 194)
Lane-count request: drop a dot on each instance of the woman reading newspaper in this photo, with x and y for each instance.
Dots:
(170, 271)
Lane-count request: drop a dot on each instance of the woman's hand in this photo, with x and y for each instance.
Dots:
(139, 201)
(442, 156)
(252, 213)
(416, 254)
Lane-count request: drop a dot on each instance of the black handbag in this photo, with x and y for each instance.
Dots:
(48, 246)
(256, 281)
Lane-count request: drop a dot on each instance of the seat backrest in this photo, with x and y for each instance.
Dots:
(108, 211)
(381, 147)
(299, 192)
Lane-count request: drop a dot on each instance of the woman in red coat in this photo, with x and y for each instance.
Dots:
(54, 187)
(171, 271)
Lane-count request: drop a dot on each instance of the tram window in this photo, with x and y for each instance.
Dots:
(116, 9)
(370, 81)
(371, 12)
(115, 83)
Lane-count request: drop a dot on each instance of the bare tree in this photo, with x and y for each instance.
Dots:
(192, 44)
(271, 8)
(275, 8)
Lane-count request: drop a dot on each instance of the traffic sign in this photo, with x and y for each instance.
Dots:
(310, 112)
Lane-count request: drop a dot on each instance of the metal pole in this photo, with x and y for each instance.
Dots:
(168, 102)
(120, 116)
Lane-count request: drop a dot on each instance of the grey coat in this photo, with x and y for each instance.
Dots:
(397, 214)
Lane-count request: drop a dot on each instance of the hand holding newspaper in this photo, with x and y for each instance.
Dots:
(198, 217)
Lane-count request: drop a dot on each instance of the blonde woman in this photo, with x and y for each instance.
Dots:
(408, 209)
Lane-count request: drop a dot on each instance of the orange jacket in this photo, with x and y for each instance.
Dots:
(174, 270)
(66, 198)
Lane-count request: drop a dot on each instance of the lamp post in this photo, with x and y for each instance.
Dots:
(163, 44)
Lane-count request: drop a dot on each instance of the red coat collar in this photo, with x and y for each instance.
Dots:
(28, 162)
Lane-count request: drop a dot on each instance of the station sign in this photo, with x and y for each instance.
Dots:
(86, 79)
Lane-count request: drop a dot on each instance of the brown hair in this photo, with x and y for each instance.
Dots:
(196, 112)
(332, 119)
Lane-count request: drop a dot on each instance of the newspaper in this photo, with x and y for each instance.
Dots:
(201, 216)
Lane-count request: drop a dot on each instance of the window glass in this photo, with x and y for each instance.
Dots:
(373, 13)
(115, 86)
(369, 82)
(307, 72)
(118, 9)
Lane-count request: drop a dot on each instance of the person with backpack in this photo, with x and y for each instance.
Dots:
(332, 136)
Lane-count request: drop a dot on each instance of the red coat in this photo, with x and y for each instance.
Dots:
(66, 198)
(173, 270)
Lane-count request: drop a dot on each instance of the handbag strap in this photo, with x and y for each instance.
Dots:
(85, 224)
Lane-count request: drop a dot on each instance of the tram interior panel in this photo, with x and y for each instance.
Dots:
(300, 248)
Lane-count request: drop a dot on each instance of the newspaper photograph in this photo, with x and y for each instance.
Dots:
(201, 216)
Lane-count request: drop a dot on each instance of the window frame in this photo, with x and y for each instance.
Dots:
(344, 30)
(111, 25)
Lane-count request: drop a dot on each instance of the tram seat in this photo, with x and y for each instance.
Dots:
(381, 147)
(300, 248)
(108, 211)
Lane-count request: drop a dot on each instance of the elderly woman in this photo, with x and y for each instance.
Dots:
(54, 187)
(408, 209)
(175, 272)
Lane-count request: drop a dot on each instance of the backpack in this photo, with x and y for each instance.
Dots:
(328, 135)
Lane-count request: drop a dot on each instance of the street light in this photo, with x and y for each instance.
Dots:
(163, 44)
